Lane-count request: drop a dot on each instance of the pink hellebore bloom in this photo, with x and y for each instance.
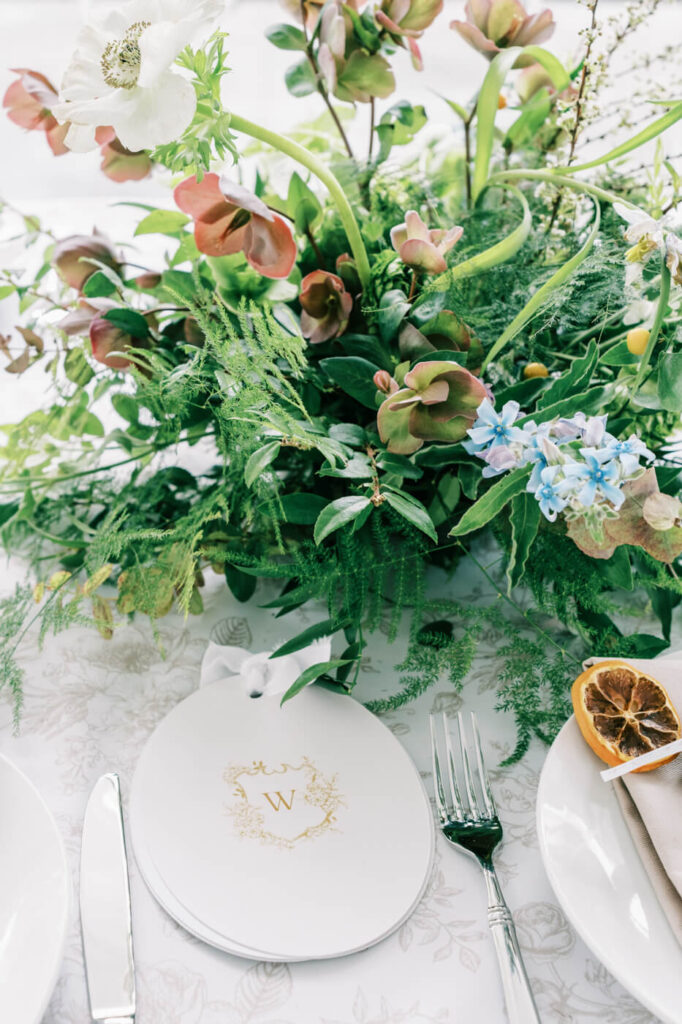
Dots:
(494, 25)
(326, 306)
(423, 248)
(28, 102)
(229, 219)
(71, 257)
(407, 19)
(439, 402)
(120, 164)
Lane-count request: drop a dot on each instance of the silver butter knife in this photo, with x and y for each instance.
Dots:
(105, 907)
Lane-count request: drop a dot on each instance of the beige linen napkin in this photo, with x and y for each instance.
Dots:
(652, 803)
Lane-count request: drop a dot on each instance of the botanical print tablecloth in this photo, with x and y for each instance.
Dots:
(90, 705)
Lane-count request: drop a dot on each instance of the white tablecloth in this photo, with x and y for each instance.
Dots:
(90, 705)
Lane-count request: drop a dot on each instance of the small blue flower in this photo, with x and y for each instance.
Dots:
(493, 428)
(548, 494)
(533, 451)
(500, 458)
(596, 477)
(628, 453)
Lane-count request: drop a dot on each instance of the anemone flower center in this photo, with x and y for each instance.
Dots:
(121, 59)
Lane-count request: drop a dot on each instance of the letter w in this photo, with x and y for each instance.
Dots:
(281, 799)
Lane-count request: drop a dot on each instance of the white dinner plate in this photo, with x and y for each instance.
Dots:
(599, 879)
(296, 833)
(34, 899)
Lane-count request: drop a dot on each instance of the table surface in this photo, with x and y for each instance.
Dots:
(90, 706)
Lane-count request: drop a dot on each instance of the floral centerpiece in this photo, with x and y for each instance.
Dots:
(381, 359)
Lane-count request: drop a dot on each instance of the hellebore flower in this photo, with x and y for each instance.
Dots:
(119, 164)
(120, 74)
(326, 306)
(423, 248)
(230, 219)
(29, 103)
(534, 78)
(385, 383)
(494, 25)
(549, 494)
(596, 477)
(407, 19)
(71, 255)
(353, 75)
(438, 403)
(106, 339)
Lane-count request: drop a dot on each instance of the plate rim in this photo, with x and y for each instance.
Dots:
(66, 876)
(645, 999)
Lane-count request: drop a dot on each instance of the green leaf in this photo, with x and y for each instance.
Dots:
(398, 126)
(5, 290)
(648, 133)
(286, 37)
(393, 308)
(413, 511)
(524, 516)
(302, 509)
(77, 368)
(589, 402)
(126, 407)
(400, 465)
(128, 320)
(303, 205)
(303, 639)
(241, 584)
(538, 298)
(337, 514)
(162, 222)
(487, 106)
(577, 378)
(312, 673)
(99, 285)
(534, 114)
(354, 375)
(349, 433)
(618, 355)
(300, 79)
(259, 461)
(617, 570)
(492, 502)
(670, 381)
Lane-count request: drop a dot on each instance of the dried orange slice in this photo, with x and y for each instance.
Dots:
(623, 713)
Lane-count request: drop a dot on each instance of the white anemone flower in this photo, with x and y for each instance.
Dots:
(120, 73)
(647, 235)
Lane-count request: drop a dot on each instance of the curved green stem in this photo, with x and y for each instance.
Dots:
(498, 253)
(539, 297)
(656, 328)
(302, 156)
(560, 179)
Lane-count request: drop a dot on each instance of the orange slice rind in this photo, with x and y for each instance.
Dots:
(623, 712)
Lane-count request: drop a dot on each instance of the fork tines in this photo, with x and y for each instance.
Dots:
(459, 776)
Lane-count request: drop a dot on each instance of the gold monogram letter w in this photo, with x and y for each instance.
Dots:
(281, 799)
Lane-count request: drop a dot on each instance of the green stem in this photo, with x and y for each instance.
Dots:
(655, 330)
(302, 156)
(561, 179)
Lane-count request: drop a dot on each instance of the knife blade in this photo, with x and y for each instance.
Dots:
(106, 924)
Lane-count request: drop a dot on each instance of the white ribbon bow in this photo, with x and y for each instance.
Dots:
(259, 675)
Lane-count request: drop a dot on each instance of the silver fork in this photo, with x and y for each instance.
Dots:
(468, 819)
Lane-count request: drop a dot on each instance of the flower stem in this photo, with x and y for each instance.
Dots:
(560, 179)
(656, 328)
(302, 156)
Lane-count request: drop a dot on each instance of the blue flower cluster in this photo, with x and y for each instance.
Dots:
(578, 467)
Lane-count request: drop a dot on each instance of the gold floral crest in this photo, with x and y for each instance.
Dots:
(249, 820)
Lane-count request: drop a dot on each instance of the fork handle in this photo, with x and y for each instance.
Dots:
(518, 994)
